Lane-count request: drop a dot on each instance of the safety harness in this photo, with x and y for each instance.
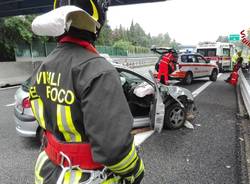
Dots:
(70, 154)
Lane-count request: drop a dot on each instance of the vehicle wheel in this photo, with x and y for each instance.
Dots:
(213, 76)
(39, 134)
(175, 116)
(189, 78)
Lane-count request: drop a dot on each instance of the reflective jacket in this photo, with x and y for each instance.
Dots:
(77, 96)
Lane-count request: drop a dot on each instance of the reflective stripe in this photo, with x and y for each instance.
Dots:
(77, 135)
(38, 111)
(33, 107)
(126, 161)
(124, 171)
(66, 125)
(78, 176)
(41, 113)
(72, 177)
(60, 123)
(67, 177)
(55, 1)
(141, 169)
(39, 163)
(112, 181)
(95, 12)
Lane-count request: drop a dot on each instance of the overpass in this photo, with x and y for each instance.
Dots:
(25, 7)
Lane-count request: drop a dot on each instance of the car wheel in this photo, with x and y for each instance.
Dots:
(189, 78)
(175, 116)
(213, 76)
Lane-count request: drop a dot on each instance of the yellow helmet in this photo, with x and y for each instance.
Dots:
(239, 53)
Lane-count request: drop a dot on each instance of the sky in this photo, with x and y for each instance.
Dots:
(186, 21)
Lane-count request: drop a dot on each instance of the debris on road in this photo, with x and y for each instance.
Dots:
(241, 139)
(189, 125)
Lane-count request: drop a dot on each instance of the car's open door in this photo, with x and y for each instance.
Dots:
(156, 118)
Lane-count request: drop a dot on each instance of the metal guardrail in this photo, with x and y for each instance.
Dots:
(134, 62)
(245, 90)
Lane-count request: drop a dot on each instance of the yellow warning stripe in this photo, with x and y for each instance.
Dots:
(74, 173)
(71, 125)
(40, 161)
(38, 111)
(55, 1)
(60, 123)
(41, 113)
(95, 12)
(34, 109)
(121, 166)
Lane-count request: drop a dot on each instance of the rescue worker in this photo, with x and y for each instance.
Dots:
(167, 66)
(77, 99)
(237, 65)
(234, 58)
(248, 63)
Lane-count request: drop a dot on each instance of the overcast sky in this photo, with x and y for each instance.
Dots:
(188, 21)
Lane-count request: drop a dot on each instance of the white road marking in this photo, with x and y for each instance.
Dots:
(141, 137)
(10, 105)
(202, 88)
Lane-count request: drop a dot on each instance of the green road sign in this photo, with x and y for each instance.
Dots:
(234, 37)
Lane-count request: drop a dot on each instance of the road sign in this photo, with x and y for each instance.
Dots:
(234, 37)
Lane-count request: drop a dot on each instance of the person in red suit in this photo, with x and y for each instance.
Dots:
(167, 66)
(233, 78)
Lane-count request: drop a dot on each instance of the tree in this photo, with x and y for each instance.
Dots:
(14, 30)
(105, 37)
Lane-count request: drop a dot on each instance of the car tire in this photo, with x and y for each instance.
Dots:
(213, 76)
(188, 78)
(175, 116)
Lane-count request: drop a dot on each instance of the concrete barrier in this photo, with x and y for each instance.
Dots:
(245, 90)
(13, 73)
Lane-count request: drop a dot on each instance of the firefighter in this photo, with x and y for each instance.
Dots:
(236, 67)
(248, 63)
(77, 99)
(167, 66)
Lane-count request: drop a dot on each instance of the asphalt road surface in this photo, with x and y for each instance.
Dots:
(205, 155)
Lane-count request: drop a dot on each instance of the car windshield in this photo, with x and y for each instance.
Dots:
(207, 52)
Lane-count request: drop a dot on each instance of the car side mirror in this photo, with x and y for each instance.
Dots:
(208, 60)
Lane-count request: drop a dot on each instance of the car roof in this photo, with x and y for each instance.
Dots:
(191, 54)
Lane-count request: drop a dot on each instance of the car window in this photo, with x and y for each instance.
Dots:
(191, 59)
(226, 52)
(201, 59)
(184, 59)
(26, 85)
(130, 78)
(207, 52)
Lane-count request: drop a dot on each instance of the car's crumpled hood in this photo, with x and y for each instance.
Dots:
(176, 91)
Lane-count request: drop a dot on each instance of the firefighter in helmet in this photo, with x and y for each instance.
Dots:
(77, 99)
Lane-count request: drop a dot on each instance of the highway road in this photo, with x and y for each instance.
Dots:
(206, 154)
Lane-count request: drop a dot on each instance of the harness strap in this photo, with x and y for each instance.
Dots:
(70, 154)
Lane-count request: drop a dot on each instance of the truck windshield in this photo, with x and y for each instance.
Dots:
(207, 52)
(226, 52)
